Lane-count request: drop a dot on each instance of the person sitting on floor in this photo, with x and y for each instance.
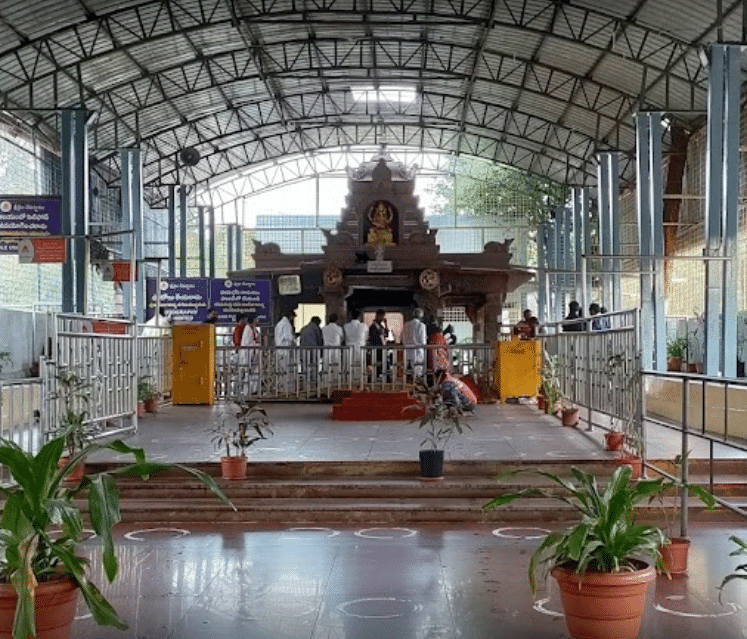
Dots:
(455, 392)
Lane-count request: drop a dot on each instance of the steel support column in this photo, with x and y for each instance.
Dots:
(615, 302)
(131, 168)
(722, 193)
(656, 199)
(239, 247)
(605, 233)
(74, 150)
(182, 231)
(201, 238)
(644, 238)
(552, 276)
(211, 243)
(229, 247)
(558, 264)
(172, 231)
(542, 300)
(579, 237)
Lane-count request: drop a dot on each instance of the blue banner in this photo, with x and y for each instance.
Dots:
(188, 299)
(28, 216)
(184, 299)
(252, 297)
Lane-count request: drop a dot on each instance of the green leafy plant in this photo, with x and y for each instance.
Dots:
(550, 386)
(607, 538)
(146, 389)
(242, 427)
(740, 572)
(42, 523)
(676, 346)
(440, 420)
(73, 393)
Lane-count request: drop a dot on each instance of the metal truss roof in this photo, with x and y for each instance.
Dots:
(538, 84)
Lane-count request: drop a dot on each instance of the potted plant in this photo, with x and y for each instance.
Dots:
(597, 561)
(676, 349)
(440, 419)
(73, 393)
(614, 437)
(41, 525)
(148, 394)
(239, 429)
(740, 572)
(550, 385)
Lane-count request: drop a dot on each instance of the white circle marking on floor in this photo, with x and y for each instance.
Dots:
(132, 535)
(343, 607)
(698, 615)
(362, 533)
(539, 606)
(499, 532)
(332, 531)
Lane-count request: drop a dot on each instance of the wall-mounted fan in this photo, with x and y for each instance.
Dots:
(189, 156)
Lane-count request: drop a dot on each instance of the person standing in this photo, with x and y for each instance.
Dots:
(157, 326)
(355, 336)
(249, 354)
(377, 337)
(310, 339)
(414, 334)
(438, 354)
(574, 313)
(284, 338)
(238, 330)
(333, 337)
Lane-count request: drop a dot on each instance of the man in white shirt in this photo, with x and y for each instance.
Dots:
(334, 337)
(249, 355)
(414, 334)
(284, 337)
(157, 326)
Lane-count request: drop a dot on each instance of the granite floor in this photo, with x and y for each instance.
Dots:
(449, 581)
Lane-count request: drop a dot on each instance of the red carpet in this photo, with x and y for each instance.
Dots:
(375, 406)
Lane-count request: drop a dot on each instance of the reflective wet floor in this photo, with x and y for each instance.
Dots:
(424, 582)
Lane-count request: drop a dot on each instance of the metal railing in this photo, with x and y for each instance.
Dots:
(599, 371)
(292, 372)
(155, 361)
(707, 415)
(20, 410)
(103, 354)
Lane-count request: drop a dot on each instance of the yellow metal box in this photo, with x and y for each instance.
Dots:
(517, 368)
(194, 364)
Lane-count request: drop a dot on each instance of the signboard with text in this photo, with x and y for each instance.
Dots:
(28, 216)
(42, 250)
(188, 299)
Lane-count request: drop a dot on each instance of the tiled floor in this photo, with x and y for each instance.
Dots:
(415, 582)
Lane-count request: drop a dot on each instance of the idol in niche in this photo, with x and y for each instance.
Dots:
(381, 215)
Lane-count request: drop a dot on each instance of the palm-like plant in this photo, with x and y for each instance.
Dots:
(740, 572)
(606, 538)
(41, 522)
(440, 420)
(242, 427)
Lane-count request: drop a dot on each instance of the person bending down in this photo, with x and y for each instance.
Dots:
(455, 392)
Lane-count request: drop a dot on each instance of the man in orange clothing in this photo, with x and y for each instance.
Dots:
(238, 330)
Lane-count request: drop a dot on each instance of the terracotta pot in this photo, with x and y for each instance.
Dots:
(604, 605)
(76, 474)
(692, 368)
(56, 602)
(636, 463)
(141, 408)
(674, 364)
(233, 467)
(674, 555)
(569, 416)
(151, 405)
(542, 403)
(699, 368)
(614, 440)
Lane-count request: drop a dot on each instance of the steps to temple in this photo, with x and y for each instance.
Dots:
(376, 492)
(376, 406)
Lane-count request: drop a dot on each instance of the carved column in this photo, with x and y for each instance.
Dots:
(492, 316)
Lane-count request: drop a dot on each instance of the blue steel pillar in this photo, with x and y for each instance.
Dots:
(239, 247)
(542, 299)
(131, 168)
(656, 195)
(580, 222)
(605, 233)
(201, 238)
(172, 232)
(552, 276)
(722, 192)
(230, 251)
(645, 247)
(211, 244)
(615, 303)
(74, 150)
(558, 265)
(182, 231)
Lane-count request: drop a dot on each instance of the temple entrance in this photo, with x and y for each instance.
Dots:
(369, 299)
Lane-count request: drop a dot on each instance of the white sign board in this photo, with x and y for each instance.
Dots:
(379, 266)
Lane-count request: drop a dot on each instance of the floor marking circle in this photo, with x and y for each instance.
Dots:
(698, 615)
(332, 531)
(132, 535)
(539, 606)
(499, 532)
(343, 607)
(362, 533)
